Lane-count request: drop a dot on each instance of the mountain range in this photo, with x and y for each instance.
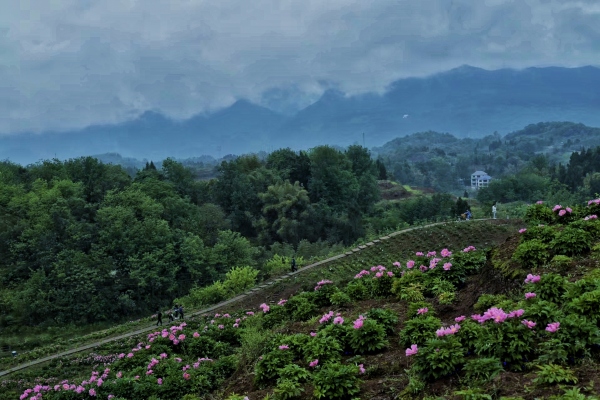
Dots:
(465, 101)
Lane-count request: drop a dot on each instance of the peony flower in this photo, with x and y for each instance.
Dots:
(338, 321)
(361, 369)
(159, 381)
(414, 349)
(284, 347)
(553, 326)
(358, 323)
(419, 254)
(529, 295)
(92, 392)
(529, 324)
(459, 319)
(447, 266)
(196, 334)
(313, 363)
(410, 264)
(522, 230)
(423, 310)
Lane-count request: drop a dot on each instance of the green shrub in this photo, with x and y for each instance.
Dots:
(480, 370)
(339, 332)
(544, 233)
(470, 262)
(538, 214)
(419, 330)
(369, 338)
(552, 374)
(414, 307)
(532, 253)
(560, 262)
(468, 334)
(543, 312)
(267, 367)
(323, 348)
(239, 279)
(381, 287)
(357, 290)
(572, 242)
(551, 287)
(438, 358)
(487, 301)
(340, 299)
(553, 351)
(510, 342)
(387, 318)
(322, 297)
(336, 381)
(276, 316)
(301, 307)
(411, 293)
(288, 389)
(446, 298)
(294, 373)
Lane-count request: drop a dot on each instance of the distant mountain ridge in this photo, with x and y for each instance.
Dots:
(466, 101)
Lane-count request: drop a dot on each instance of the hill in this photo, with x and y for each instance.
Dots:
(467, 101)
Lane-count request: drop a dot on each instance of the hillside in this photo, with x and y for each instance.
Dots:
(466, 101)
(391, 248)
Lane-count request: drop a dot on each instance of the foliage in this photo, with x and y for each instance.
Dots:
(301, 307)
(438, 358)
(572, 242)
(387, 318)
(336, 381)
(552, 374)
(369, 338)
(480, 370)
(419, 330)
(532, 253)
(267, 368)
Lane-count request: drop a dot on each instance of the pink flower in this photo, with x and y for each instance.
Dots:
(92, 392)
(284, 347)
(516, 313)
(182, 337)
(445, 253)
(431, 253)
(410, 264)
(361, 369)
(390, 274)
(186, 376)
(562, 213)
(221, 326)
(539, 202)
(250, 313)
(414, 349)
(553, 327)
(338, 320)
(522, 230)
(397, 264)
(281, 302)
(358, 323)
(163, 355)
(556, 207)
(265, 307)
(159, 381)
(468, 249)
(459, 319)
(529, 324)
(313, 363)
(569, 210)
(129, 355)
(423, 268)
(447, 266)
(532, 278)
(419, 254)
(196, 334)
(422, 310)
(529, 295)
(313, 334)
(119, 374)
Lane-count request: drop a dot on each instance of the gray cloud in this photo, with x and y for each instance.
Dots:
(66, 64)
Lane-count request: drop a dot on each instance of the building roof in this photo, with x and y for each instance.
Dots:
(479, 173)
(485, 177)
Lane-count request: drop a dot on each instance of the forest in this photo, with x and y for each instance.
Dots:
(84, 242)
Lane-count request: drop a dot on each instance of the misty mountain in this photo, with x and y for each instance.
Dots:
(466, 101)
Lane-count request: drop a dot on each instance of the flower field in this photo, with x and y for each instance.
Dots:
(450, 318)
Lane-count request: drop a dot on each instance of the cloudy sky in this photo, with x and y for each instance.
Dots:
(67, 64)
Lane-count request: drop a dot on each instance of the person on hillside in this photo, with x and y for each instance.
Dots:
(294, 268)
(494, 210)
(180, 311)
(171, 318)
(159, 318)
(468, 214)
(176, 311)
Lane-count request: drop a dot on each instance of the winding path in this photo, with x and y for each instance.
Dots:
(260, 287)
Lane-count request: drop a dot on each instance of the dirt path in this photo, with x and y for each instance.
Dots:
(252, 291)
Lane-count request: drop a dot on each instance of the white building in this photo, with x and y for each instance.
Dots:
(480, 179)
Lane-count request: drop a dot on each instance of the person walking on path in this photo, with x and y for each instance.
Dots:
(294, 268)
(176, 311)
(159, 318)
(181, 311)
(171, 318)
(494, 210)
(468, 214)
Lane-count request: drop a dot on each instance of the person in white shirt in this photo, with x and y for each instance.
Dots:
(494, 210)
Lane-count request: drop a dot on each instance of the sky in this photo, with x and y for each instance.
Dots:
(67, 64)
